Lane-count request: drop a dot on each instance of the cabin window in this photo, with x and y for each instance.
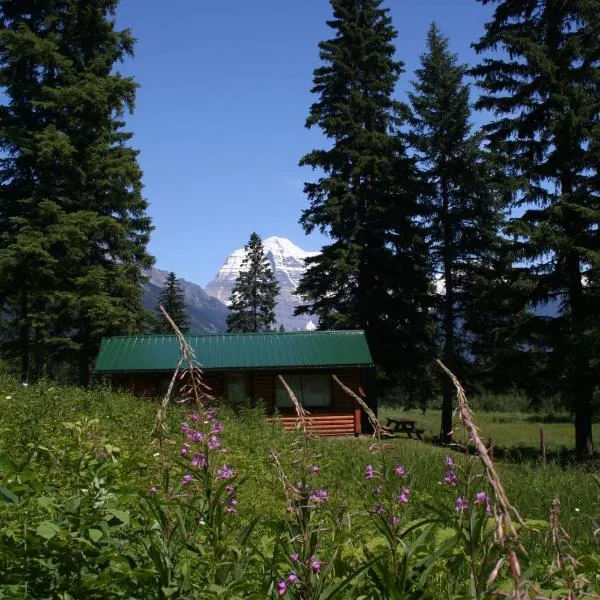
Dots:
(311, 390)
(237, 388)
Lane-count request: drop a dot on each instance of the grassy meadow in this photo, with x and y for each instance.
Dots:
(45, 429)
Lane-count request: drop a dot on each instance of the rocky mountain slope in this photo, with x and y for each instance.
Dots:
(207, 314)
(287, 262)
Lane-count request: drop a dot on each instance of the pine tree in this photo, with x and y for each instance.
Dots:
(254, 295)
(172, 300)
(373, 275)
(544, 91)
(461, 208)
(73, 223)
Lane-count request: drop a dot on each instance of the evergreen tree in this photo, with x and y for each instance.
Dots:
(172, 300)
(545, 94)
(254, 295)
(461, 209)
(373, 275)
(73, 223)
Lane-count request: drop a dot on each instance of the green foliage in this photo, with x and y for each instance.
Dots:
(91, 507)
(463, 214)
(373, 275)
(545, 94)
(172, 300)
(73, 223)
(254, 295)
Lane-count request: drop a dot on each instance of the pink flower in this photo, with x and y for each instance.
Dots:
(187, 479)
(213, 442)
(315, 565)
(399, 471)
(185, 450)
(450, 478)
(292, 577)
(313, 469)
(377, 491)
(294, 556)
(153, 490)
(225, 473)
(281, 588)
(394, 520)
(369, 472)
(449, 462)
(200, 461)
(195, 417)
(462, 504)
(403, 497)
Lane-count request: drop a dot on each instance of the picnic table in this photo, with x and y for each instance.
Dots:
(408, 426)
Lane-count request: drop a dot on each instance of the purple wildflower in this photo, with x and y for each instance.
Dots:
(462, 504)
(217, 428)
(195, 417)
(292, 577)
(483, 498)
(315, 565)
(294, 556)
(450, 478)
(449, 462)
(187, 479)
(318, 496)
(399, 471)
(213, 442)
(195, 437)
(394, 520)
(369, 472)
(225, 473)
(153, 490)
(185, 427)
(402, 498)
(200, 460)
(377, 491)
(378, 509)
(313, 469)
(281, 588)
(229, 489)
(185, 450)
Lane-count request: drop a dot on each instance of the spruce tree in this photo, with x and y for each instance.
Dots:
(73, 222)
(254, 295)
(544, 90)
(461, 208)
(172, 300)
(373, 275)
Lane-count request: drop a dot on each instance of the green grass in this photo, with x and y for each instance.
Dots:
(510, 430)
(31, 416)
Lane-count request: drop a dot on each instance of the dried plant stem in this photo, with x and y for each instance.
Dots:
(504, 511)
(188, 369)
(304, 421)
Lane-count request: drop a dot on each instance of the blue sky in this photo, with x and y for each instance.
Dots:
(224, 94)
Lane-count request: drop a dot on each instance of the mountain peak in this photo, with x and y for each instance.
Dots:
(281, 245)
(287, 262)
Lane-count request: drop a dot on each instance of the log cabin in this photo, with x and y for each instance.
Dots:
(245, 367)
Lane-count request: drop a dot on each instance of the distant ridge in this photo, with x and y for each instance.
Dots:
(207, 314)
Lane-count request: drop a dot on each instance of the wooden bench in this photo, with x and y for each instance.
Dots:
(397, 425)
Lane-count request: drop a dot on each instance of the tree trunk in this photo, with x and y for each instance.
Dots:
(448, 328)
(580, 386)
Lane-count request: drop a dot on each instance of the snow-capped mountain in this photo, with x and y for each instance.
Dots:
(287, 262)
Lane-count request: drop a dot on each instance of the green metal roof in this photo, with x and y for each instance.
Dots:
(236, 351)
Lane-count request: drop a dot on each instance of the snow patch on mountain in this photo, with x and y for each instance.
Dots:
(288, 264)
